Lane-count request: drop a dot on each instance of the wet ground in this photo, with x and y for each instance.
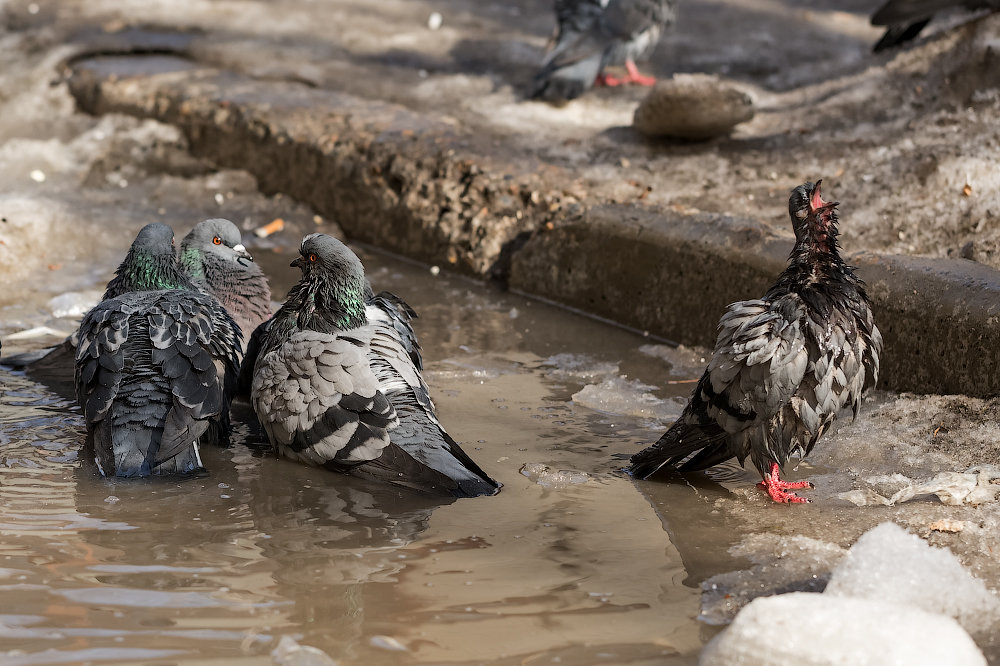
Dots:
(905, 140)
(576, 563)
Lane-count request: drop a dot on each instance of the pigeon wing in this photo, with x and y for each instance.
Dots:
(100, 357)
(194, 345)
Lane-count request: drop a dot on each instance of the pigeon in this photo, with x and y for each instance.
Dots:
(337, 383)
(223, 269)
(213, 256)
(156, 364)
(783, 365)
(592, 34)
(904, 19)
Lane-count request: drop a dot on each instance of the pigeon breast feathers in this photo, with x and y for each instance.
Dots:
(318, 399)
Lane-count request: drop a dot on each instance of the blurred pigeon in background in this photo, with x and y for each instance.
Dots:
(783, 366)
(904, 19)
(592, 34)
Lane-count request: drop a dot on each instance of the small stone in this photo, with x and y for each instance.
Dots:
(692, 106)
(435, 20)
(37, 176)
(946, 525)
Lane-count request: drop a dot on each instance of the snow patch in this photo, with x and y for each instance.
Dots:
(890, 564)
(803, 629)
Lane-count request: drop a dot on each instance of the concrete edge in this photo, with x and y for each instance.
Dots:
(418, 187)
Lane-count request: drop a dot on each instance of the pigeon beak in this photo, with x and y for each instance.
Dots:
(298, 263)
(816, 201)
(241, 253)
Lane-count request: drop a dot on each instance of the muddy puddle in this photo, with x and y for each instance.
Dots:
(569, 563)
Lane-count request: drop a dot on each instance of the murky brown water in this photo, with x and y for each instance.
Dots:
(216, 569)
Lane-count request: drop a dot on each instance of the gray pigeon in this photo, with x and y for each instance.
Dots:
(783, 366)
(337, 383)
(223, 269)
(592, 34)
(904, 19)
(213, 256)
(155, 365)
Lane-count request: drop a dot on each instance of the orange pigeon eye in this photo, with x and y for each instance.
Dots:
(217, 240)
(313, 257)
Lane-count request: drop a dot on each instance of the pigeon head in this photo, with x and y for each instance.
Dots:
(216, 237)
(151, 264)
(154, 240)
(322, 255)
(334, 279)
(814, 220)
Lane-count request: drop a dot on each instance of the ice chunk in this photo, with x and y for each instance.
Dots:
(547, 477)
(73, 303)
(579, 366)
(387, 643)
(803, 629)
(618, 395)
(290, 653)
(890, 564)
(977, 485)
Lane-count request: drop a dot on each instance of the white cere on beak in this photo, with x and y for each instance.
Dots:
(239, 248)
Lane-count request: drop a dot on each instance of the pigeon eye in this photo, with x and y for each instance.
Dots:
(217, 240)
(313, 257)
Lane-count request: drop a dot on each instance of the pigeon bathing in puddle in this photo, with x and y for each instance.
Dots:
(592, 34)
(337, 382)
(904, 19)
(213, 256)
(156, 365)
(783, 365)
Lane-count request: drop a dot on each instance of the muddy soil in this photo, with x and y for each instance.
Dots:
(905, 140)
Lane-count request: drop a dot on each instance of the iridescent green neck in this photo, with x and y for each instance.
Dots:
(145, 272)
(192, 263)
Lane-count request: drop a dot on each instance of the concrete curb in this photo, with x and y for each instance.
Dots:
(421, 188)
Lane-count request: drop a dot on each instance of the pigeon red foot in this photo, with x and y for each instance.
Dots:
(777, 489)
(632, 76)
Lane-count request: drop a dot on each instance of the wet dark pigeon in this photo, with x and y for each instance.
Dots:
(592, 34)
(904, 19)
(213, 256)
(783, 365)
(155, 366)
(337, 383)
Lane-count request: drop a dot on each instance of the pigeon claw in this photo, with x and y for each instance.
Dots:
(777, 489)
(632, 76)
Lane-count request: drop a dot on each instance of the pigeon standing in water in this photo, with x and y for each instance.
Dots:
(155, 365)
(337, 383)
(783, 366)
(904, 19)
(592, 34)
(213, 256)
